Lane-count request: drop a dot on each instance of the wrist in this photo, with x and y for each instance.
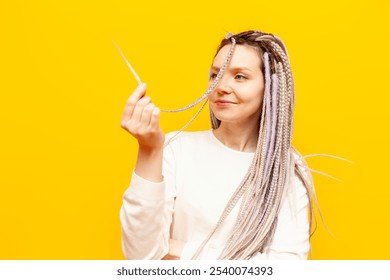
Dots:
(149, 163)
(150, 151)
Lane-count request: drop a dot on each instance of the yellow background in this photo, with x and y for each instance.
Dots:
(65, 162)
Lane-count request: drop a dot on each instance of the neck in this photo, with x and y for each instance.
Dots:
(237, 136)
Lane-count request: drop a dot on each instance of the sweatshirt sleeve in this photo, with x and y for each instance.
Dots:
(291, 239)
(146, 214)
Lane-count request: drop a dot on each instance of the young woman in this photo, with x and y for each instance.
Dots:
(236, 191)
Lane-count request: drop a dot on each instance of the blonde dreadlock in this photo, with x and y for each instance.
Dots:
(273, 164)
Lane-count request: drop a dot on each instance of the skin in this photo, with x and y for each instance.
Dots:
(141, 118)
(236, 101)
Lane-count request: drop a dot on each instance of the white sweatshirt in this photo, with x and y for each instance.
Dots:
(200, 175)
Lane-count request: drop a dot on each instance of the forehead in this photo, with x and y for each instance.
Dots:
(243, 56)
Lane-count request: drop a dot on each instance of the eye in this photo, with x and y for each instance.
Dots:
(213, 76)
(240, 77)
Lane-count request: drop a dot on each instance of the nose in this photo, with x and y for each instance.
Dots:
(223, 86)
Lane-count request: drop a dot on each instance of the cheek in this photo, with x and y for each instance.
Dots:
(260, 92)
(255, 91)
(256, 97)
(210, 97)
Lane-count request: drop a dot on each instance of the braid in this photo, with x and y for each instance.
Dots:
(264, 185)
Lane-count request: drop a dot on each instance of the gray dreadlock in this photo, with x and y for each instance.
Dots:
(273, 165)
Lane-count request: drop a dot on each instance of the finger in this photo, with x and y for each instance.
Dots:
(155, 118)
(147, 115)
(138, 93)
(138, 109)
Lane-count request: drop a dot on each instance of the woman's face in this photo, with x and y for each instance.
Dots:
(239, 94)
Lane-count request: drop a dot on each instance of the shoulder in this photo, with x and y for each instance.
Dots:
(296, 156)
(301, 169)
(301, 184)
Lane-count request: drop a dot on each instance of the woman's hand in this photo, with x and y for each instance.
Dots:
(175, 249)
(141, 118)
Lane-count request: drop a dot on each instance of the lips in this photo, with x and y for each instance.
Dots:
(223, 102)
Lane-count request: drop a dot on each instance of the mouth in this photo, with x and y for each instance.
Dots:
(223, 102)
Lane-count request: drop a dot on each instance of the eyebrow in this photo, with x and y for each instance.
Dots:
(215, 68)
